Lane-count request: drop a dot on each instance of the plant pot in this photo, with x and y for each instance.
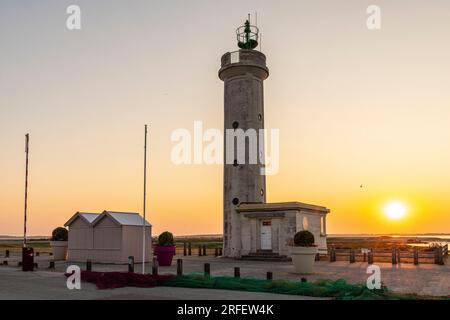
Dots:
(59, 249)
(303, 259)
(164, 255)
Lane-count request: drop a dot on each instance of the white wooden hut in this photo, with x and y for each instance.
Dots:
(109, 237)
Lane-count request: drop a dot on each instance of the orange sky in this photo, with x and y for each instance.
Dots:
(353, 107)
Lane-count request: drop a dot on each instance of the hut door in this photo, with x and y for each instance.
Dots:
(266, 235)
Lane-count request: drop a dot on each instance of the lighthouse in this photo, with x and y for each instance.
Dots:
(252, 228)
(243, 73)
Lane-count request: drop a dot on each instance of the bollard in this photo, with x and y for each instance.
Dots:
(364, 257)
(155, 267)
(207, 269)
(220, 252)
(184, 249)
(398, 256)
(204, 250)
(35, 265)
(237, 272)
(37, 254)
(370, 257)
(7, 254)
(269, 275)
(352, 256)
(51, 265)
(5, 262)
(216, 252)
(88, 265)
(304, 280)
(394, 256)
(317, 258)
(332, 254)
(189, 249)
(19, 264)
(416, 256)
(130, 264)
(199, 251)
(179, 267)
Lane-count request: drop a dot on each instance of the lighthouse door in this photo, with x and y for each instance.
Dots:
(266, 235)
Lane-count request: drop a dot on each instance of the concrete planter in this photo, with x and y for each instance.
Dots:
(303, 259)
(59, 249)
(164, 255)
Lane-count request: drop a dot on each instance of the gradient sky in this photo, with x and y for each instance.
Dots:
(353, 107)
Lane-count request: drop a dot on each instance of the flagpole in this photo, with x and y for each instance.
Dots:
(27, 140)
(144, 202)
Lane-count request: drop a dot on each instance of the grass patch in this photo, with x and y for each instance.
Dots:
(337, 289)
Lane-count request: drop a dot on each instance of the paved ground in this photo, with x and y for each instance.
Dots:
(425, 279)
(15, 284)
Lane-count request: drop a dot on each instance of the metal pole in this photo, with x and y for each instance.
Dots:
(144, 202)
(27, 140)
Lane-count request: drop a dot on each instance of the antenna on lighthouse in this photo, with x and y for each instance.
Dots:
(27, 141)
(247, 35)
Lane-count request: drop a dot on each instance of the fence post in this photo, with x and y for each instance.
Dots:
(352, 256)
(207, 269)
(88, 265)
(184, 249)
(332, 254)
(179, 267)
(51, 265)
(416, 256)
(370, 256)
(130, 264)
(237, 272)
(269, 275)
(394, 256)
(199, 250)
(155, 267)
(204, 249)
(189, 249)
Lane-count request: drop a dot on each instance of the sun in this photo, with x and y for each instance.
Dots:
(395, 210)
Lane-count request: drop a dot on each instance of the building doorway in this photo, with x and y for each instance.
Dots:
(266, 235)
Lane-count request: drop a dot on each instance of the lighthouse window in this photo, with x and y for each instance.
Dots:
(235, 125)
(235, 201)
(262, 192)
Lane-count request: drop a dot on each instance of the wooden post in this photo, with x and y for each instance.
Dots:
(352, 256)
(370, 257)
(398, 256)
(179, 267)
(440, 258)
(216, 252)
(364, 257)
(184, 249)
(130, 264)
(189, 249)
(269, 275)
(207, 269)
(237, 272)
(7, 254)
(394, 256)
(155, 267)
(332, 254)
(416, 256)
(317, 257)
(37, 253)
(220, 251)
(88, 265)
(5, 262)
(51, 265)
(204, 249)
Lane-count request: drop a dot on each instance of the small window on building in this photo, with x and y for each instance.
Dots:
(235, 125)
(235, 201)
(262, 192)
(259, 117)
(305, 223)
